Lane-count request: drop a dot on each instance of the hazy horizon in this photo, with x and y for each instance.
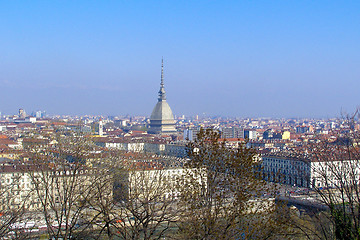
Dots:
(232, 58)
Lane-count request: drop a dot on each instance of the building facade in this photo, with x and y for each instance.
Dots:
(304, 172)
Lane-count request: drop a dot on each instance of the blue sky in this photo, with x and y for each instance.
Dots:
(229, 58)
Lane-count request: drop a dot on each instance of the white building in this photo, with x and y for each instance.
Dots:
(303, 172)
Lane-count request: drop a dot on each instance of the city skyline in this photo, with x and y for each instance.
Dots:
(230, 59)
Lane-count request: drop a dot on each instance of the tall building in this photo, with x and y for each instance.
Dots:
(101, 128)
(304, 129)
(251, 134)
(233, 132)
(162, 118)
(22, 113)
(191, 134)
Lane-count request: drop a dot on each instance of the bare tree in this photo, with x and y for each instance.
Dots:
(334, 179)
(64, 185)
(144, 204)
(223, 195)
(14, 198)
(336, 167)
(82, 191)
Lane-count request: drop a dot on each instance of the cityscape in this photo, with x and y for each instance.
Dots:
(160, 120)
(160, 146)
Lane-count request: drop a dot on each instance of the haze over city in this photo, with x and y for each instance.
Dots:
(229, 58)
(180, 120)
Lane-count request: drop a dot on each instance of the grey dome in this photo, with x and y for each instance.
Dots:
(162, 111)
(162, 118)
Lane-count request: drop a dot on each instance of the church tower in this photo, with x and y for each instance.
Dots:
(162, 118)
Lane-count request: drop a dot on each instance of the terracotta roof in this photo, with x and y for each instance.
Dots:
(58, 123)
(35, 140)
(3, 147)
(7, 141)
(136, 131)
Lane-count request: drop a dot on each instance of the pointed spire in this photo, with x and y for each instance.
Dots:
(162, 72)
(162, 96)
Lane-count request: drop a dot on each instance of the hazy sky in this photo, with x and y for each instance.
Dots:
(230, 58)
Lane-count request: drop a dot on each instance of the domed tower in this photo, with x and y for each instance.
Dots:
(162, 118)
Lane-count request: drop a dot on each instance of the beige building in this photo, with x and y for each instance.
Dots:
(32, 188)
